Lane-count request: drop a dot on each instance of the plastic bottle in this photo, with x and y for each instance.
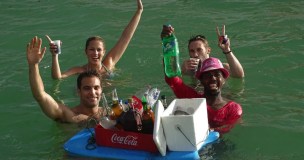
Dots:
(152, 97)
(171, 55)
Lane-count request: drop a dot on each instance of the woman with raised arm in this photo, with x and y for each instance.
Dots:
(96, 52)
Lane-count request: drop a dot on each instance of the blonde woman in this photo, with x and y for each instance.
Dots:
(95, 51)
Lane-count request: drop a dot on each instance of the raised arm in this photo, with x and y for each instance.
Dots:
(188, 66)
(118, 50)
(56, 72)
(48, 105)
(234, 66)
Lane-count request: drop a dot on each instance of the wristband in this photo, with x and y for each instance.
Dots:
(227, 52)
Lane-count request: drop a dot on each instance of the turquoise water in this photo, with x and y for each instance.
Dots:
(266, 36)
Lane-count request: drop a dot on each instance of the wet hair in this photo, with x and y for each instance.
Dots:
(198, 38)
(95, 38)
(86, 74)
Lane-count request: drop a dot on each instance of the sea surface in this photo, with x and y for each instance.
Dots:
(266, 36)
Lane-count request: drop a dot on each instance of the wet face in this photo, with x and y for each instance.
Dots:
(213, 82)
(197, 49)
(95, 51)
(90, 91)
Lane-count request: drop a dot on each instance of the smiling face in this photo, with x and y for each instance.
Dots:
(95, 50)
(90, 91)
(213, 82)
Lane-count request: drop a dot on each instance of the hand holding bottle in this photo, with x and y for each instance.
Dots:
(167, 31)
(171, 55)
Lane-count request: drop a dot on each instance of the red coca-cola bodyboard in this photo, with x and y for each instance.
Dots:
(123, 139)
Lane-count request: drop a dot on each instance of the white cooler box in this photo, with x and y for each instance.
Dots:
(181, 132)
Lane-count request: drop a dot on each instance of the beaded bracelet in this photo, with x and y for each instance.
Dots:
(227, 52)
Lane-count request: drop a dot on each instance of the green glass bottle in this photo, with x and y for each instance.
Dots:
(147, 117)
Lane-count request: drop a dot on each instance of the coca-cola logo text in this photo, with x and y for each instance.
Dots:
(127, 140)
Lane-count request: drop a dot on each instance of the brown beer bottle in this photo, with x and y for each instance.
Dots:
(116, 107)
(147, 117)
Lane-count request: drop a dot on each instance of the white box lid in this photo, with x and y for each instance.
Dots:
(158, 132)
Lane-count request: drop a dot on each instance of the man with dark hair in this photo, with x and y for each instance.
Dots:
(89, 91)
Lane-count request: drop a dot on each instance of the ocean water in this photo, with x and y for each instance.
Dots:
(266, 37)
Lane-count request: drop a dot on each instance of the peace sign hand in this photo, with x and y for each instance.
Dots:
(223, 40)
